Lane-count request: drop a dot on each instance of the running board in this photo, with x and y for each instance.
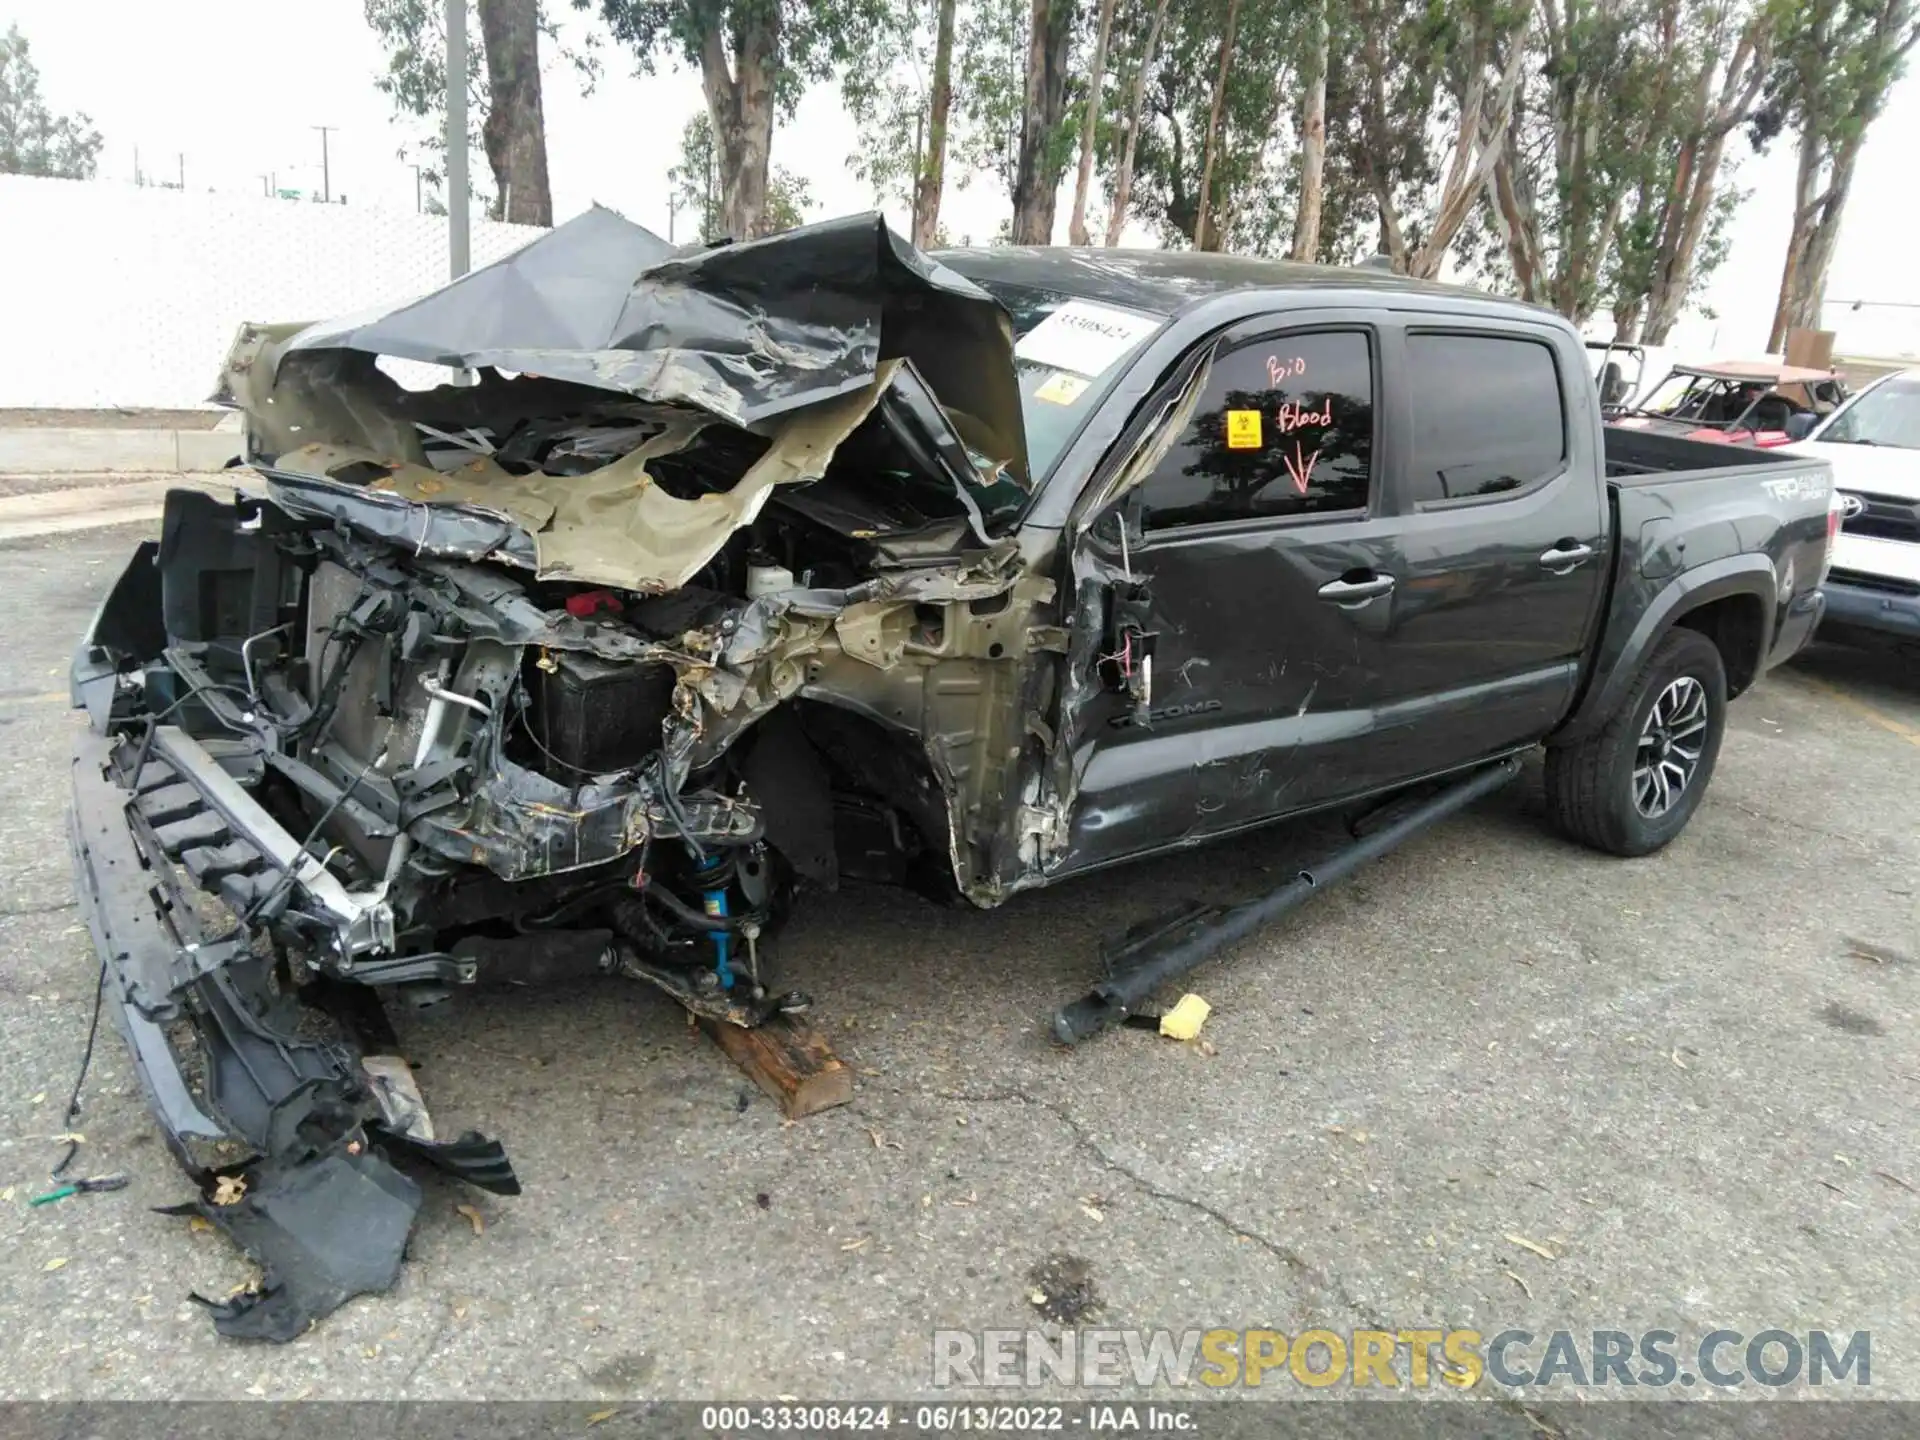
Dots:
(1164, 949)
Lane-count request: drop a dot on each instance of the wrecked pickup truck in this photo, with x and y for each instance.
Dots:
(705, 575)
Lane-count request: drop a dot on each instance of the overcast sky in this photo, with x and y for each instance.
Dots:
(235, 87)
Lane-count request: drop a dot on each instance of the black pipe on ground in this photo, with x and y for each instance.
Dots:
(1176, 949)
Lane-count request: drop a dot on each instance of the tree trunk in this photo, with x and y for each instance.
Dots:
(1626, 319)
(933, 165)
(1036, 184)
(1816, 234)
(1467, 175)
(1806, 206)
(1123, 175)
(1514, 214)
(740, 106)
(1313, 146)
(1201, 238)
(515, 132)
(1077, 232)
(1373, 111)
(1690, 200)
(1673, 273)
(1810, 293)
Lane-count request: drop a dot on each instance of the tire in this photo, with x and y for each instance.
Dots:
(1600, 792)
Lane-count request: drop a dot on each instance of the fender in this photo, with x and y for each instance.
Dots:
(1617, 664)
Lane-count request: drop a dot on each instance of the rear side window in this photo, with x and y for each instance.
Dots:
(1285, 429)
(1488, 417)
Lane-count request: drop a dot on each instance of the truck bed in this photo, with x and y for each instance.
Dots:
(1636, 457)
(1749, 527)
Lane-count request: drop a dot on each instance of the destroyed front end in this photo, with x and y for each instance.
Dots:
(691, 579)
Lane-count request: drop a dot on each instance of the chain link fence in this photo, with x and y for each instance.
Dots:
(118, 296)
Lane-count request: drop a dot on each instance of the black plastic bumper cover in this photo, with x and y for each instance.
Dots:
(289, 1122)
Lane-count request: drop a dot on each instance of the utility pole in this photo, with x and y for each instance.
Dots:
(419, 206)
(458, 201)
(326, 174)
(183, 171)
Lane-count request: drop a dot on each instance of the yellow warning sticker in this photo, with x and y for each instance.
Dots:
(1062, 389)
(1243, 429)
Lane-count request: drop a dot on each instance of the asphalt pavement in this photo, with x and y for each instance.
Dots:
(1494, 1082)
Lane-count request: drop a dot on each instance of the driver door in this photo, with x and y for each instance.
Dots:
(1374, 554)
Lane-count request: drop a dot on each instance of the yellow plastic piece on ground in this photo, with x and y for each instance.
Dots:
(1183, 1022)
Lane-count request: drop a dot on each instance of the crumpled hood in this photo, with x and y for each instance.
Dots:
(745, 332)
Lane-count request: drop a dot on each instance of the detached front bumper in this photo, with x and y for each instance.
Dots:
(295, 1134)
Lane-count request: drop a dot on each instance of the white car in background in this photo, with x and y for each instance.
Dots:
(1873, 443)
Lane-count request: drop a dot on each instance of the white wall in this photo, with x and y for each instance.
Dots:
(112, 295)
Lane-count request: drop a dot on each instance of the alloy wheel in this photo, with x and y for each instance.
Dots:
(1670, 745)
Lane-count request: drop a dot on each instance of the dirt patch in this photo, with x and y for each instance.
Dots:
(1062, 1289)
(110, 419)
(1850, 1021)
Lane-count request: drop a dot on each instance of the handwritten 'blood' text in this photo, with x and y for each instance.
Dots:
(1298, 417)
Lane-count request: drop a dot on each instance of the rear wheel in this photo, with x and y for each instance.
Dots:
(1633, 786)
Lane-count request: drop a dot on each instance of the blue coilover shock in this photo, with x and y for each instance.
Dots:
(714, 874)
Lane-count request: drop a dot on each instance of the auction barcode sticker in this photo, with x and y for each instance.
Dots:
(1084, 338)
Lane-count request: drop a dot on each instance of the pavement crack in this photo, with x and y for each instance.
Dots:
(427, 1352)
(1086, 1142)
(52, 907)
(1289, 1257)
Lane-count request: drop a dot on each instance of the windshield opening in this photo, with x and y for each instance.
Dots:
(1888, 414)
(1067, 353)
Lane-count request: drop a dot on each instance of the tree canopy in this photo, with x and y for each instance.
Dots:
(1580, 153)
(34, 140)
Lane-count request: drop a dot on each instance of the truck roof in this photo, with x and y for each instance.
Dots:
(1165, 281)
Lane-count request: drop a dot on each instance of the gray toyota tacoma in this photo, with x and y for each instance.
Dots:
(570, 620)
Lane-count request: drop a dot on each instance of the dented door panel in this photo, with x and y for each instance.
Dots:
(1264, 694)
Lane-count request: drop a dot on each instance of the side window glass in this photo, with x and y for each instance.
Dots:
(1488, 416)
(1285, 429)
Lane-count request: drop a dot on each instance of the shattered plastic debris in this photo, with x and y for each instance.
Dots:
(1184, 1020)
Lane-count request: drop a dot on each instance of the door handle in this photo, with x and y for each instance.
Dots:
(1351, 594)
(1563, 558)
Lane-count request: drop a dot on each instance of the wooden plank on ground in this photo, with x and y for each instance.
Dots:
(790, 1061)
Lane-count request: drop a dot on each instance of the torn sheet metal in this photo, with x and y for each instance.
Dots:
(744, 332)
(614, 525)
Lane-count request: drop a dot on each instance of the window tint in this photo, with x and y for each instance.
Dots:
(1487, 415)
(1285, 428)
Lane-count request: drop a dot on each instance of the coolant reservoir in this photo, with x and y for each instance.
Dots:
(767, 580)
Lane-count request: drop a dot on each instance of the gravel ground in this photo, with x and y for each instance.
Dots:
(1690, 1079)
